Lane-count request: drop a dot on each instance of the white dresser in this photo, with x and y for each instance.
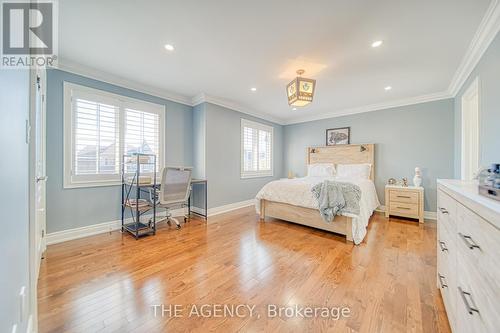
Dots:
(468, 257)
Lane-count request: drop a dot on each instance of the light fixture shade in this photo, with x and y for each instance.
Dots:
(300, 91)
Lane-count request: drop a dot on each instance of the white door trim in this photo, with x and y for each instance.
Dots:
(470, 134)
(36, 241)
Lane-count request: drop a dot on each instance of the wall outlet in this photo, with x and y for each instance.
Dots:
(22, 304)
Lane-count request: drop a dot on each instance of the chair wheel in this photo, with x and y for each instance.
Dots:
(178, 227)
(185, 219)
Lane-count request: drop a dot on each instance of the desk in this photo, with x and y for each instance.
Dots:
(195, 182)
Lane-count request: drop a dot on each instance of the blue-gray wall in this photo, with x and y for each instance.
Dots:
(14, 238)
(199, 133)
(488, 71)
(405, 137)
(223, 158)
(73, 208)
(199, 156)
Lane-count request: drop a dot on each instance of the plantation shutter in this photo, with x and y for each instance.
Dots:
(256, 149)
(96, 137)
(142, 134)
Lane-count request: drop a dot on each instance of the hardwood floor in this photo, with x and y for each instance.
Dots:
(110, 282)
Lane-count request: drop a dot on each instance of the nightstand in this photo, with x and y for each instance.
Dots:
(404, 201)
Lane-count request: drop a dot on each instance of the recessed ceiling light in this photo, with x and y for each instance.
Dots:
(169, 47)
(388, 88)
(377, 43)
(294, 109)
(253, 89)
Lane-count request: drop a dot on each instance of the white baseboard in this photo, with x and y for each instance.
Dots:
(99, 228)
(427, 215)
(225, 208)
(230, 207)
(94, 229)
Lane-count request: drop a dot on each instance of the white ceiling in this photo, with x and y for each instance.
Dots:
(223, 48)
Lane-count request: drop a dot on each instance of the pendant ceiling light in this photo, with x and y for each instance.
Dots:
(301, 90)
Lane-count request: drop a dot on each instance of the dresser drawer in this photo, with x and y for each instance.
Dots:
(478, 244)
(447, 248)
(403, 209)
(446, 211)
(403, 196)
(446, 269)
(476, 308)
(448, 293)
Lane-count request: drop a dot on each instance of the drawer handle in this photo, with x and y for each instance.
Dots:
(443, 247)
(441, 279)
(404, 208)
(444, 211)
(404, 196)
(470, 309)
(469, 241)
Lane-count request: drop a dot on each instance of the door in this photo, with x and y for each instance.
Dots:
(40, 171)
(470, 131)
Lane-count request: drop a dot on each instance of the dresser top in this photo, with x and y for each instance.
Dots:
(469, 190)
(401, 187)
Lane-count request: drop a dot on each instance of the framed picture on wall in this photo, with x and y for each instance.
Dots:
(338, 136)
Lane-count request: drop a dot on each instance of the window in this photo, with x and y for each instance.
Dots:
(256, 149)
(100, 127)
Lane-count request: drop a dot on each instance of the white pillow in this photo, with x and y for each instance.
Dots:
(321, 170)
(356, 171)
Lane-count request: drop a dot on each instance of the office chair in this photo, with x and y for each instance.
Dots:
(174, 191)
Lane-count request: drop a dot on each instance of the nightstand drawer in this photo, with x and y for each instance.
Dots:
(403, 209)
(403, 196)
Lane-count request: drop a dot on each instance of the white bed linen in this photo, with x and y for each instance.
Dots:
(297, 192)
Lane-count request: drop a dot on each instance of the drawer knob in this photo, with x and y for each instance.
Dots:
(441, 279)
(443, 210)
(470, 308)
(404, 208)
(404, 196)
(469, 241)
(443, 247)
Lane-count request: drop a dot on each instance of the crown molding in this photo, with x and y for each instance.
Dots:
(79, 69)
(485, 33)
(373, 107)
(198, 99)
(204, 98)
(75, 68)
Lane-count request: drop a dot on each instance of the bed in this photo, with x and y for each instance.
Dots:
(292, 200)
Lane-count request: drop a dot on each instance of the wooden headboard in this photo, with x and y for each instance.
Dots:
(343, 154)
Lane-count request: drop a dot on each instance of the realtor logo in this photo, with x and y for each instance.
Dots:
(28, 34)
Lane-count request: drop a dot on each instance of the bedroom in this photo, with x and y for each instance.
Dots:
(295, 167)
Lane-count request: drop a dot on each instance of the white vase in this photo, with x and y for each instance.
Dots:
(417, 180)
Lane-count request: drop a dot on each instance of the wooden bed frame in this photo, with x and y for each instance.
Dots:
(340, 154)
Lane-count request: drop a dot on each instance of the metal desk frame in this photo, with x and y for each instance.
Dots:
(197, 182)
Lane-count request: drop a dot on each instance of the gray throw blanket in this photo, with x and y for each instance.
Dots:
(337, 198)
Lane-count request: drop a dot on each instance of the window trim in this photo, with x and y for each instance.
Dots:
(260, 173)
(70, 89)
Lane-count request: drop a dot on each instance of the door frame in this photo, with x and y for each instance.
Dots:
(41, 73)
(470, 124)
(34, 227)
